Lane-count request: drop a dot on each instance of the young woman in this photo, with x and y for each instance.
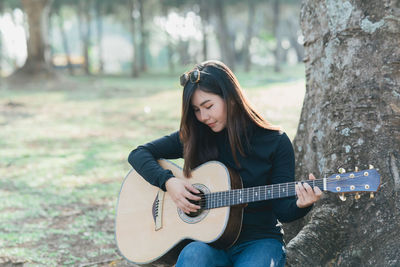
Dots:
(218, 123)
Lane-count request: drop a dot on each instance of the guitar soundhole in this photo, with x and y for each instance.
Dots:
(200, 203)
(195, 217)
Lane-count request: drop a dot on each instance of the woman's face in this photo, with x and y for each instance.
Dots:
(210, 109)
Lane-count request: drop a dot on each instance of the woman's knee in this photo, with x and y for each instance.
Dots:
(201, 254)
(194, 250)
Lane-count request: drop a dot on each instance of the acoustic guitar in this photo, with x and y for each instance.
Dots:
(149, 228)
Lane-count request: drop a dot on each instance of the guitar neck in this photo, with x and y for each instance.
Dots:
(253, 194)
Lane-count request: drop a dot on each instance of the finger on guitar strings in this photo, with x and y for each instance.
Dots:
(188, 207)
(190, 195)
(191, 188)
(299, 191)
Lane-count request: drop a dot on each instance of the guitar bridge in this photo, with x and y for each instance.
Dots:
(157, 209)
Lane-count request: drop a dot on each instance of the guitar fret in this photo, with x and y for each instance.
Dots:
(272, 191)
(214, 200)
(253, 194)
(279, 190)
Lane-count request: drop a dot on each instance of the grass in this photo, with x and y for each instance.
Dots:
(63, 151)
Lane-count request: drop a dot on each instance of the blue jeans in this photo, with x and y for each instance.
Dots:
(266, 252)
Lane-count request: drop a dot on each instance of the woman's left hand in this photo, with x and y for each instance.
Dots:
(306, 195)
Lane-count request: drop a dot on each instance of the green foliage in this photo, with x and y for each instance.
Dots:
(11, 4)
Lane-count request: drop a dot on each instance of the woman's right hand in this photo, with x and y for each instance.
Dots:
(180, 191)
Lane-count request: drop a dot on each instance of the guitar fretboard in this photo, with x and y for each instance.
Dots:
(253, 194)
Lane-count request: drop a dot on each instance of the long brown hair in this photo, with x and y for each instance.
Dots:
(199, 142)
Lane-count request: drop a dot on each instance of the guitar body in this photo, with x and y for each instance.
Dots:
(150, 228)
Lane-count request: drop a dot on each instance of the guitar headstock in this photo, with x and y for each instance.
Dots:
(354, 182)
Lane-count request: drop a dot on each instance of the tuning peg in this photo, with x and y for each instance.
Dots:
(341, 170)
(357, 196)
(356, 169)
(371, 195)
(371, 166)
(342, 197)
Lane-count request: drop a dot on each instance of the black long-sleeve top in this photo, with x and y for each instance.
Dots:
(268, 160)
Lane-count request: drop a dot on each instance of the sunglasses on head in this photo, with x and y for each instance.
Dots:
(192, 76)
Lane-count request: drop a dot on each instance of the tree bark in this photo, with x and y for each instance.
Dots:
(277, 35)
(249, 36)
(36, 65)
(135, 54)
(292, 26)
(183, 51)
(1, 40)
(64, 40)
(99, 24)
(224, 39)
(84, 20)
(205, 19)
(144, 38)
(350, 117)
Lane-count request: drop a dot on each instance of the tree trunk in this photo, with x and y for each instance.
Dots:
(1, 40)
(36, 65)
(170, 53)
(350, 117)
(170, 50)
(224, 39)
(292, 26)
(84, 19)
(183, 50)
(144, 38)
(249, 36)
(135, 54)
(205, 18)
(49, 53)
(99, 24)
(277, 35)
(64, 40)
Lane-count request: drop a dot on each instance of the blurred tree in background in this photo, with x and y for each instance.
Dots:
(36, 64)
(134, 36)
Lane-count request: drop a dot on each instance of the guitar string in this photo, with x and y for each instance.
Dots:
(226, 196)
(223, 196)
(277, 187)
